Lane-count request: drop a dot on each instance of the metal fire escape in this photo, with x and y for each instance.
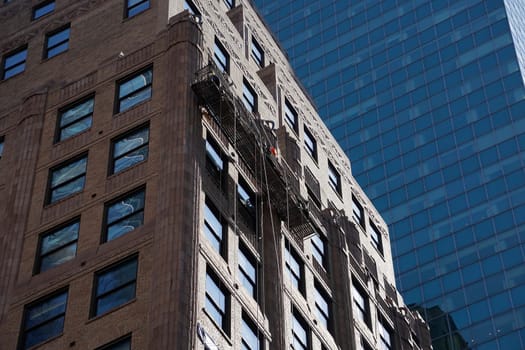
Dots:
(253, 141)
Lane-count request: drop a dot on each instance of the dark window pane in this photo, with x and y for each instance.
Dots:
(248, 272)
(221, 57)
(44, 320)
(125, 215)
(43, 9)
(134, 90)
(115, 286)
(57, 42)
(124, 344)
(217, 303)
(14, 63)
(67, 179)
(75, 119)
(214, 228)
(130, 149)
(249, 97)
(115, 299)
(135, 7)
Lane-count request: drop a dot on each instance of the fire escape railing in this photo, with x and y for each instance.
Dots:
(253, 141)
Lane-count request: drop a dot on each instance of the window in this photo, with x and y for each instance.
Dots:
(300, 333)
(217, 303)
(246, 207)
(214, 228)
(249, 97)
(75, 119)
(334, 179)
(385, 335)
(294, 267)
(124, 214)
(216, 163)
(43, 320)
(133, 90)
(319, 250)
(221, 57)
(57, 42)
(130, 149)
(322, 306)
(119, 344)
(310, 144)
(250, 337)
(43, 9)
(115, 286)
(257, 53)
(363, 344)
(57, 246)
(246, 196)
(230, 3)
(248, 271)
(134, 7)
(375, 234)
(67, 179)
(14, 63)
(360, 304)
(190, 6)
(290, 116)
(358, 212)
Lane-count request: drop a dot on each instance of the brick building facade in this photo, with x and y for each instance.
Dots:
(166, 184)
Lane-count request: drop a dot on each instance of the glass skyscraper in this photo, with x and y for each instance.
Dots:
(428, 100)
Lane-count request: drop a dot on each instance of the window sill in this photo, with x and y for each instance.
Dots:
(126, 170)
(132, 108)
(62, 200)
(46, 59)
(12, 76)
(126, 19)
(58, 143)
(115, 309)
(36, 346)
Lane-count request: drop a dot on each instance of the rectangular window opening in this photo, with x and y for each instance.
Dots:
(115, 286)
(134, 7)
(375, 235)
(290, 116)
(133, 90)
(67, 179)
(14, 63)
(43, 9)
(129, 149)
(294, 267)
(221, 57)
(249, 97)
(43, 320)
(75, 118)
(257, 53)
(322, 306)
(310, 144)
(57, 41)
(217, 303)
(215, 228)
(300, 332)
(358, 212)
(334, 179)
(248, 271)
(57, 246)
(124, 214)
